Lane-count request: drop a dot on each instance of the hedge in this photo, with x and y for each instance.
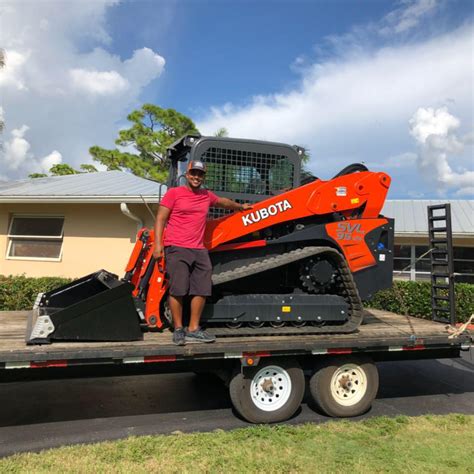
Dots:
(406, 297)
(414, 298)
(19, 292)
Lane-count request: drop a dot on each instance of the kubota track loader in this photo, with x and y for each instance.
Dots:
(299, 261)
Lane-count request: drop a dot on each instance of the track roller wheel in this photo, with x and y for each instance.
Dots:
(256, 324)
(268, 393)
(277, 324)
(345, 386)
(234, 325)
(298, 324)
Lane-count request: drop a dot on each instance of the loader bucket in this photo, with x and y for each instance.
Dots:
(97, 307)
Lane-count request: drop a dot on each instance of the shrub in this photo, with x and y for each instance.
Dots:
(414, 298)
(19, 292)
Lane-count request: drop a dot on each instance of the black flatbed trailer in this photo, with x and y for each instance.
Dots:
(265, 373)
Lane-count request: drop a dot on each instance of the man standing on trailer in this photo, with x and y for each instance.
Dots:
(183, 211)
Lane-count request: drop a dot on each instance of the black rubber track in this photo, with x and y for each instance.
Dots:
(347, 289)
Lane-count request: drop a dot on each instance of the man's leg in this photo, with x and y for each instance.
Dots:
(178, 271)
(200, 286)
(197, 305)
(176, 307)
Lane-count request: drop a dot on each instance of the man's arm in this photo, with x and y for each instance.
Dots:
(162, 217)
(232, 205)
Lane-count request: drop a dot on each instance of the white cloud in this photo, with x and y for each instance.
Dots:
(18, 156)
(428, 123)
(17, 149)
(144, 65)
(54, 158)
(467, 191)
(435, 132)
(355, 107)
(61, 80)
(400, 161)
(407, 16)
(358, 90)
(96, 82)
(11, 74)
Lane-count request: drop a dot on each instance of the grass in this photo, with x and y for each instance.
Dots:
(422, 444)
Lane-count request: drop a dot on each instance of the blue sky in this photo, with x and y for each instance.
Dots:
(389, 83)
(230, 50)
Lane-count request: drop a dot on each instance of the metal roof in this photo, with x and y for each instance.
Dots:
(101, 187)
(411, 216)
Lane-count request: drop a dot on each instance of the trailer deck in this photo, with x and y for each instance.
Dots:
(382, 332)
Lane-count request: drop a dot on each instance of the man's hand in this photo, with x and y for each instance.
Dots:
(158, 252)
(227, 203)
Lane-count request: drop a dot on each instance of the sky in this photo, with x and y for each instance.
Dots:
(386, 83)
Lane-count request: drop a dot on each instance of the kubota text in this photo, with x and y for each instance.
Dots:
(271, 210)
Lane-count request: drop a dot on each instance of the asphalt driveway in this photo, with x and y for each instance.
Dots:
(39, 414)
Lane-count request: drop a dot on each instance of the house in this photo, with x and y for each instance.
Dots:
(73, 225)
(411, 260)
(76, 224)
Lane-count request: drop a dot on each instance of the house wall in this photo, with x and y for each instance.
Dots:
(415, 266)
(465, 241)
(99, 236)
(95, 236)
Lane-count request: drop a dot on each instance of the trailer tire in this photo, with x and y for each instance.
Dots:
(236, 386)
(345, 386)
(278, 400)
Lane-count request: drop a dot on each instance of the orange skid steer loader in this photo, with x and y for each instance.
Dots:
(299, 262)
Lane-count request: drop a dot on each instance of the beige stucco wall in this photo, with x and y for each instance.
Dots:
(95, 236)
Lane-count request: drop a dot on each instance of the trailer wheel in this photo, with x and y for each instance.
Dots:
(269, 393)
(345, 386)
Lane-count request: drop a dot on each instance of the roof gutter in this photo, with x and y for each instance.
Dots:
(424, 235)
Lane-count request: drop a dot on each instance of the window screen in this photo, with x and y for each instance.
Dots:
(35, 237)
(37, 226)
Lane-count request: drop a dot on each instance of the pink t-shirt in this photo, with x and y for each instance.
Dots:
(187, 221)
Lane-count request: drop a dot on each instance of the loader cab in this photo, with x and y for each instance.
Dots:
(242, 170)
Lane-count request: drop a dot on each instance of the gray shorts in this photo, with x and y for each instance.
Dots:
(189, 270)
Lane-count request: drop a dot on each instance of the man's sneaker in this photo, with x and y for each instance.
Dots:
(199, 336)
(178, 336)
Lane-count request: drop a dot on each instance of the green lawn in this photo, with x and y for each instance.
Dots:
(422, 444)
